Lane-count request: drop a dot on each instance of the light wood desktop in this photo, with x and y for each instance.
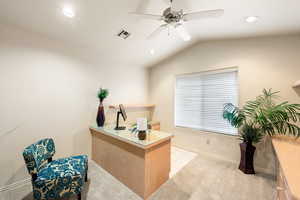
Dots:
(143, 166)
(288, 179)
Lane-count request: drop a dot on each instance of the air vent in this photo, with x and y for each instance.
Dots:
(124, 34)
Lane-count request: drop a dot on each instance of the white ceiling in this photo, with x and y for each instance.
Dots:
(97, 22)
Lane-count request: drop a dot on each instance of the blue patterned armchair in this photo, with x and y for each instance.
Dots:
(54, 179)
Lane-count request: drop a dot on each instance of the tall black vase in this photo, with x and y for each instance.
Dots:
(247, 155)
(100, 115)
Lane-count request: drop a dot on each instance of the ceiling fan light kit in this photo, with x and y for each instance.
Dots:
(181, 31)
(175, 19)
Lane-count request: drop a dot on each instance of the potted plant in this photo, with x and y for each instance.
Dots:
(249, 134)
(141, 134)
(102, 94)
(260, 117)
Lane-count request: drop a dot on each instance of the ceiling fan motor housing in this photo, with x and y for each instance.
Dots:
(172, 17)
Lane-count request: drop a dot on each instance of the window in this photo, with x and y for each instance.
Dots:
(199, 100)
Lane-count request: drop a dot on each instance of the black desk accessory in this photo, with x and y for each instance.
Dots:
(123, 113)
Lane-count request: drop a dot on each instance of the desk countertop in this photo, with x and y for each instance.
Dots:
(153, 137)
(288, 153)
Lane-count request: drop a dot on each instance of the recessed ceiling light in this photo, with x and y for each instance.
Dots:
(251, 19)
(68, 12)
(152, 51)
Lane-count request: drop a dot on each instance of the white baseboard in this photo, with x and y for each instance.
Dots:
(15, 185)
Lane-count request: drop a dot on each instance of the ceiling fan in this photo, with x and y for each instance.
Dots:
(175, 19)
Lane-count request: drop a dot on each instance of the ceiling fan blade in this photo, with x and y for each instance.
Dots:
(182, 32)
(157, 31)
(203, 14)
(147, 16)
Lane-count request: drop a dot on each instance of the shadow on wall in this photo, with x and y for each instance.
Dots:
(82, 142)
(20, 174)
(132, 115)
(297, 90)
(7, 132)
(265, 159)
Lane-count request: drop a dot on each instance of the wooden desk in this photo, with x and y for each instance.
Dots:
(143, 166)
(288, 178)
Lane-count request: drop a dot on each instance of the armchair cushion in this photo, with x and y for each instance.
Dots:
(71, 166)
(60, 178)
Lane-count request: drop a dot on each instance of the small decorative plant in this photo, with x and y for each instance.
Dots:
(102, 94)
(260, 117)
(134, 127)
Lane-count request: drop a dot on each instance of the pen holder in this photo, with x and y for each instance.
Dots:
(142, 135)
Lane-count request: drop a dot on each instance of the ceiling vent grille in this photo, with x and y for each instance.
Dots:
(124, 34)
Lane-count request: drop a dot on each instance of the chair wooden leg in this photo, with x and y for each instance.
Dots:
(79, 196)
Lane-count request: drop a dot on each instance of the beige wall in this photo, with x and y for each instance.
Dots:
(47, 90)
(268, 62)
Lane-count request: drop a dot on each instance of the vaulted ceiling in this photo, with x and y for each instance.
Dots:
(97, 22)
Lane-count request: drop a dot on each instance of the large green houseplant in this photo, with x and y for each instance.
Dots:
(260, 117)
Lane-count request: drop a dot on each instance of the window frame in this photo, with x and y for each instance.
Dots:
(207, 72)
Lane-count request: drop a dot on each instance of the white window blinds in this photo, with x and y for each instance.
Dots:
(199, 100)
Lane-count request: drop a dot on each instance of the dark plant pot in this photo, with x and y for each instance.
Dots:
(100, 116)
(142, 135)
(247, 155)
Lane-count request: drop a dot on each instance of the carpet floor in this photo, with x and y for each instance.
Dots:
(202, 178)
